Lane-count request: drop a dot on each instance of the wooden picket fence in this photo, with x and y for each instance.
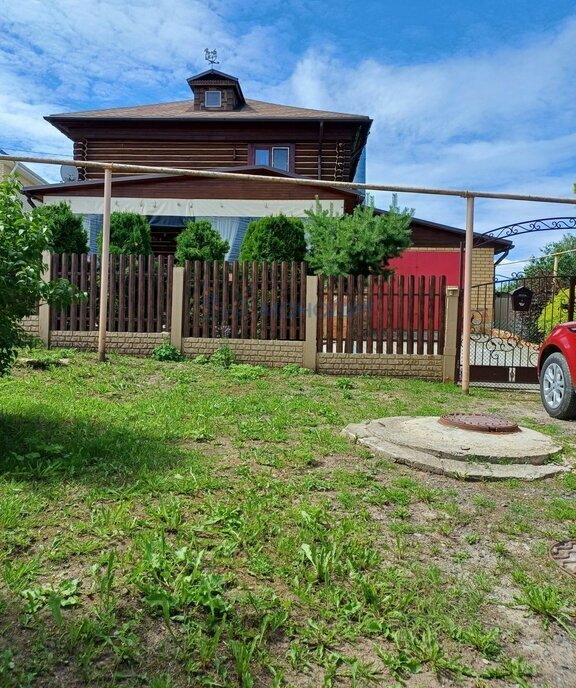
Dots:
(245, 300)
(139, 294)
(374, 314)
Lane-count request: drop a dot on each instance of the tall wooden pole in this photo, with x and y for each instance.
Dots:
(104, 265)
(467, 297)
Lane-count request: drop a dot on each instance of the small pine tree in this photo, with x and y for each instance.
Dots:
(357, 244)
(199, 241)
(66, 229)
(130, 235)
(272, 238)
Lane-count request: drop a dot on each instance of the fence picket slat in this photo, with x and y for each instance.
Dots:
(370, 315)
(340, 315)
(63, 324)
(380, 315)
(320, 314)
(410, 317)
(160, 294)
(274, 301)
(431, 314)
(150, 294)
(121, 293)
(93, 303)
(283, 299)
(131, 325)
(441, 314)
(292, 307)
(350, 315)
(84, 289)
(264, 303)
(141, 303)
(329, 315)
(400, 316)
(187, 304)
(254, 301)
(169, 288)
(206, 299)
(303, 302)
(390, 316)
(112, 294)
(244, 313)
(234, 333)
(359, 319)
(225, 317)
(216, 326)
(75, 282)
(420, 321)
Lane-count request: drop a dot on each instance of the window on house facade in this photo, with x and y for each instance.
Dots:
(213, 99)
(273, 156)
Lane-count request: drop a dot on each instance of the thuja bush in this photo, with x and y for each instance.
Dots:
(67, 232)
(130, 234)
(199, 241)
(274, 238)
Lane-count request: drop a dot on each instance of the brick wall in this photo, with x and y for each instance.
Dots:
(30, 324)
(273, 353)
(389, 365)
(131, 343)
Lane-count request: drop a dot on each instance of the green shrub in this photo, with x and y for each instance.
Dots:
(272, 238)
(295, 369)
(201, 360)
(199, 241)
(223, 357)
(68, 233)
(23, 238)
(166, 352)
(553, 312)
(130, 235)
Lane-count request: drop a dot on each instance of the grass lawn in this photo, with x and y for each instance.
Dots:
(178, 524)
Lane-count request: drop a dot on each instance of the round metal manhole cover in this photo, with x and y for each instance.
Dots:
(479, 422)
(564, 554)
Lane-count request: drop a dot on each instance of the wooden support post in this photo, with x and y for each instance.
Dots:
(104, 263)
(44, 308)
(451, 336)
(311, 305)
(177, 316)
(467, 301)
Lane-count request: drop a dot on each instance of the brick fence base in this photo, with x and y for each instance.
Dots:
(273, 353)
(130, 343)
(388, 365)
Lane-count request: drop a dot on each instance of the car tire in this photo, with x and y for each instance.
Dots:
(557, 389)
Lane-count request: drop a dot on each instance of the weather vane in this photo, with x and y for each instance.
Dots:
(211, 56)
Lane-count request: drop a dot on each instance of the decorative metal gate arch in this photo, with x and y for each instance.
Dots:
(542, 225)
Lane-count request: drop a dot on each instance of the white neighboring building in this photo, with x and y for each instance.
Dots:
(26, 176)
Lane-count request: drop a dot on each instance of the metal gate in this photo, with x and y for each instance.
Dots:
(510, 320)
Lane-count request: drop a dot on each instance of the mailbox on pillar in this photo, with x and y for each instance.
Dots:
(522, 299)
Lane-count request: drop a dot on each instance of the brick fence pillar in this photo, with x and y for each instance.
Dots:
(44, 308)
(451, 338)
(177, 307)
(309, 350)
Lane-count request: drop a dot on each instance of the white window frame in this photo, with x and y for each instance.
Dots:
(212, 105)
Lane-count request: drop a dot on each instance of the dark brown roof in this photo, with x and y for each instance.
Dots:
(184, 110)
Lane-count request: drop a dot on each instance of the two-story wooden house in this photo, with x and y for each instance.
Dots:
(217, 128)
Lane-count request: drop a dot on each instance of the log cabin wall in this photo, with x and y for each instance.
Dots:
(214, 145)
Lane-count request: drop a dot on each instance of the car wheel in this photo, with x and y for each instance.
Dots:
(556, 388)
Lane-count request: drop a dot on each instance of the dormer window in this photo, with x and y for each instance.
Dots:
(213, 99)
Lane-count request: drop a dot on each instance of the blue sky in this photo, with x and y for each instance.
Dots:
(466, 95)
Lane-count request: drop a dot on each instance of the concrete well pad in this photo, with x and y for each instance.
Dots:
(425, 444)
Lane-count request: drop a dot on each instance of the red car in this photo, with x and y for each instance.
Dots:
(557, 371)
